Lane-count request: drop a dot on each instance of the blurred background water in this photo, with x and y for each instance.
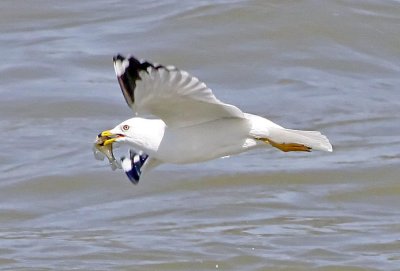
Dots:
(332, 66)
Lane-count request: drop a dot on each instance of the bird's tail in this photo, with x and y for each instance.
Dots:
(296, 140)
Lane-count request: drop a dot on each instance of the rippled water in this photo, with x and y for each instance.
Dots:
(332, 66)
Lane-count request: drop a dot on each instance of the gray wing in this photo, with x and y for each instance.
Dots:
(168, 93)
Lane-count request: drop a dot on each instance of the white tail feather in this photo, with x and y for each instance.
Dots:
(312, 139)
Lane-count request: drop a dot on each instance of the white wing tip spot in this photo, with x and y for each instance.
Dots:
(120, 66)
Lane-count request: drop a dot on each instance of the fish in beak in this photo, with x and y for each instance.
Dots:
(106, 137)
(103, 146)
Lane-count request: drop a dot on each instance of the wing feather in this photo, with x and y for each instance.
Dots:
(168, 93)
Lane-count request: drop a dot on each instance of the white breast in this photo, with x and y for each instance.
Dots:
(204, 142)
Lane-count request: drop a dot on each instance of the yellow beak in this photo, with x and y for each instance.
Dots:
(106, 133)
(106, 137)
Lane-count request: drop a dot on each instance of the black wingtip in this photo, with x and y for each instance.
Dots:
(127, 70)
(132, 166)
(118, 57)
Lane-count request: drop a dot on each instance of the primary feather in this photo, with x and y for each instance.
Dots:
(168, 93)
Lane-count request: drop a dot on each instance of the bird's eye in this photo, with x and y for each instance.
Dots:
(125, 127)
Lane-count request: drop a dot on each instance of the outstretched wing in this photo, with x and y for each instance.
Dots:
(168, 93)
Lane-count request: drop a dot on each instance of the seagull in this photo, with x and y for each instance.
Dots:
(178, 120)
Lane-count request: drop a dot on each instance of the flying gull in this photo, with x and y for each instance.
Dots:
(179, 120)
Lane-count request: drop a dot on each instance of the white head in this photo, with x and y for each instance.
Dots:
(140, 132)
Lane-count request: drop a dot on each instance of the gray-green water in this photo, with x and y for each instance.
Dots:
(332, 66)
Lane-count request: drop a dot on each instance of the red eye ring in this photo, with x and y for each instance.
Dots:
(125, 127)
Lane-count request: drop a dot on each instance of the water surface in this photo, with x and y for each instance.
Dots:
(332, 66)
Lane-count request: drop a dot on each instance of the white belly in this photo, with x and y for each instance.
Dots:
(205, 141)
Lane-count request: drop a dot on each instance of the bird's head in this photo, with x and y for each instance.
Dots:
(118, 134)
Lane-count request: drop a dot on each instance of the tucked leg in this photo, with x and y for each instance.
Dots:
(286, 147)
